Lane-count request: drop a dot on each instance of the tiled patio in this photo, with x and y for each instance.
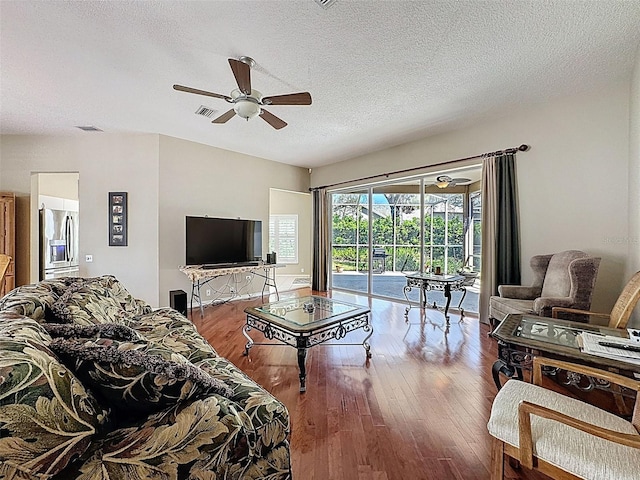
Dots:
(391, 284)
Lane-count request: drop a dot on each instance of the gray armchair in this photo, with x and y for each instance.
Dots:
(564, 279)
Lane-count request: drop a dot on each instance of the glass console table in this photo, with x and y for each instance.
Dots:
(200, 276)
(427, 281)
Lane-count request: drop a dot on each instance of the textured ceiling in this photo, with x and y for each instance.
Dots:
(380, 72)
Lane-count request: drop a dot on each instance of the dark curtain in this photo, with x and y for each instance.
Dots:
(320, 220)
(500, 229)
(508, 226)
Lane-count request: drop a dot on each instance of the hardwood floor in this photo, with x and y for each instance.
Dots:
(417, 410)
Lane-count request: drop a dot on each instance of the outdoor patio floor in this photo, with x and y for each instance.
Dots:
(391, 284)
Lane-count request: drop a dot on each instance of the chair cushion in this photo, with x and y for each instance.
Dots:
(557, 280)
(584, 455)
(500, 307)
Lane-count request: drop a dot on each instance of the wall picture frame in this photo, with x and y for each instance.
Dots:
(118, 214)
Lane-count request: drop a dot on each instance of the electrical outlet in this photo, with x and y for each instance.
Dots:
(232, 289)
(248, 278)
(88, 258)
(302, 270)
(208, 292)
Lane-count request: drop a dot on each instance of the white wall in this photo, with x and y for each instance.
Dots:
(283, 202)
(59, 185)
(634, 181)
(572, 183)
(105, 163)
(197, 179)
(166, 179)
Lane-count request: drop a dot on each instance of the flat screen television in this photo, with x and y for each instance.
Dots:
(211, 241)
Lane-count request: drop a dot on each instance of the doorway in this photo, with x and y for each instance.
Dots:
(55, 225)
(289, 237)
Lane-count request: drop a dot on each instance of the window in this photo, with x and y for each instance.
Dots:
(283, 237)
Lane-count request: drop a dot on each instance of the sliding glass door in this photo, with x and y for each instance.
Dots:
(350, 240)
(474, 236)
(396, 237)
(444, 232)
(381, 232)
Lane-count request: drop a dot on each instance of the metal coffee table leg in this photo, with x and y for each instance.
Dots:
(406, 291)
(447, 294)
(302, 356)
(249, 344)
(365, 343)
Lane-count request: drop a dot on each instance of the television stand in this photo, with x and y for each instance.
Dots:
(201, 275)
(216, 266)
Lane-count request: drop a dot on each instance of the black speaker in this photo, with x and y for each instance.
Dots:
(178, 301)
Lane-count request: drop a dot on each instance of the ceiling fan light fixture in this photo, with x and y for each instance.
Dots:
(247, 102)
(246, 108)
(442, 181)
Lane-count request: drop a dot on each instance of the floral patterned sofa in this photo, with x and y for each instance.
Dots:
(94, 384)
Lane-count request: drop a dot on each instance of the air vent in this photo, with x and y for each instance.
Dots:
(89, 128)
(205, 111)
(325, 3)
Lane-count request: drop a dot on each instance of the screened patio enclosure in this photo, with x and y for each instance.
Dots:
(381, 232)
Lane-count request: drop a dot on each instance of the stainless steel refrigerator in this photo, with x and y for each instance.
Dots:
(58, 244)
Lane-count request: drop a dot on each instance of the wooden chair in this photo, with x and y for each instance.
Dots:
(5, 260)
(619, 316)
(560, 436)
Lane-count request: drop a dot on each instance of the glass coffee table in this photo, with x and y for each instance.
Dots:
(521, 337)
(307, 321)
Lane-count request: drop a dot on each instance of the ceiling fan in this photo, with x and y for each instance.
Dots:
(444, 181)
(247, 102)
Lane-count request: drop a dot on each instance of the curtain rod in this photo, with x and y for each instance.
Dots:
(521, 148)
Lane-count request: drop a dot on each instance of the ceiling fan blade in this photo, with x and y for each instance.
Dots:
(272, 120)
(302, 98)
(225, 117)
(182, 88)
(242, 72)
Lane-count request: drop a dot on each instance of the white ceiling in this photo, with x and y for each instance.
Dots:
(380, 72)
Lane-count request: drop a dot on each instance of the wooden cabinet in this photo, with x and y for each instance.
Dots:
(8, 238)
